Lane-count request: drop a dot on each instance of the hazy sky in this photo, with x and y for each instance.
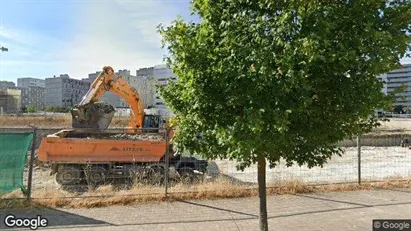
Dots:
(77, 37)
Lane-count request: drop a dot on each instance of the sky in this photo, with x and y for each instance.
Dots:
(78, 37)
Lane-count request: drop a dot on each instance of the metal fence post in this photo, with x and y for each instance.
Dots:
(359, 158)
(30, 177)
(167, 164)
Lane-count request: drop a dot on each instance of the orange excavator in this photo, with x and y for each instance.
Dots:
(88, 114)
(91, 153)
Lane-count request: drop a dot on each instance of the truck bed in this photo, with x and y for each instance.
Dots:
(83, 146)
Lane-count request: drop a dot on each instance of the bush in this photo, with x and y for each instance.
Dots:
(31, 109)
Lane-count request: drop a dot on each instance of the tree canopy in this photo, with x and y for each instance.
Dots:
(281, 78)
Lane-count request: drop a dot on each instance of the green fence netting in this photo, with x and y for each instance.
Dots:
(13, 155)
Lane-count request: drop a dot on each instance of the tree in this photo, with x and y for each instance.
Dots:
(31, 108)
(269, 80)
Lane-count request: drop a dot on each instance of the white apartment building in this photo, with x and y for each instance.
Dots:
(33, 92)
(27, 82)
(162, 75)
(397, 78)
(64, 91)
(145, 72)
(34, 96)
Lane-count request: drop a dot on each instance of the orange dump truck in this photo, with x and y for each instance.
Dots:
(89, 152)
(97, 157)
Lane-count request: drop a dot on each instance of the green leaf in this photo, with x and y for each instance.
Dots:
(259, 81)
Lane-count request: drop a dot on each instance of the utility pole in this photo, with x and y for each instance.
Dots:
(3, 49)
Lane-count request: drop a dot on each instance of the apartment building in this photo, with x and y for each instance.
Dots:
(64, 91)
(10, 100)
(162, 75)
(34, 96)
(30, 82)
(33, 92)
(395, 79)
(7, 84)
(145, 72)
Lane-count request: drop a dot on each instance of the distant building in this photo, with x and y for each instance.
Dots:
(146, 88)
(34, 96)
(30, 82)
(145, 72)
(64, 91)
(162, 75)
(91, 77)
(7, 84)
(383, 79)
(33, 92)
(395, 79)
(10, 101)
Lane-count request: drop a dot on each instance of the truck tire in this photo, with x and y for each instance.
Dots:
(68, 175)
(96, 175)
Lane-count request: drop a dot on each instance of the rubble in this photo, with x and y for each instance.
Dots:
(104, 108)
(150, 137)
(124, 136)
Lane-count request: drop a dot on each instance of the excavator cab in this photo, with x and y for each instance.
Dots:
(152, 123)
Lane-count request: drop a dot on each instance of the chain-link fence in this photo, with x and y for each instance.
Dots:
(84, 163)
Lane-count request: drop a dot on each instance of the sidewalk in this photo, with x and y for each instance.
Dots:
(323, 211)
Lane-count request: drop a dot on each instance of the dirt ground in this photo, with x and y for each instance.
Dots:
(377, 163)
(396, 124)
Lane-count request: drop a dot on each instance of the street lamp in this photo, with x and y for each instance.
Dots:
(3, 49)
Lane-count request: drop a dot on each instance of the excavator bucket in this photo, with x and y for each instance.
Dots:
(92, 116)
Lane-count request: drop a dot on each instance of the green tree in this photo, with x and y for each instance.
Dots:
(31, 108)
(269, 80)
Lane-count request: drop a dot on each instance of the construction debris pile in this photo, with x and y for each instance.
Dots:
(150, 137)
(103, 108)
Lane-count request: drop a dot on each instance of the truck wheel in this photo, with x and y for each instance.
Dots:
(187, 175)
(96, 175)
(68, 175)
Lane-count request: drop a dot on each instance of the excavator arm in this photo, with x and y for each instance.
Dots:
(86, 114)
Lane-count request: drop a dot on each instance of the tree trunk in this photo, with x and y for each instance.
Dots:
(262, 194)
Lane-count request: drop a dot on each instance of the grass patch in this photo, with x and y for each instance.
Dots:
(218, 189)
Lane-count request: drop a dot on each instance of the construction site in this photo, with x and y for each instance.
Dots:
(101, 158)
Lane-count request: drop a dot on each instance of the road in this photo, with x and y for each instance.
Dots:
(321, 211)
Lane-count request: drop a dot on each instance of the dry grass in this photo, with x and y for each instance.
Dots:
(108, 195)
(60, 121)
